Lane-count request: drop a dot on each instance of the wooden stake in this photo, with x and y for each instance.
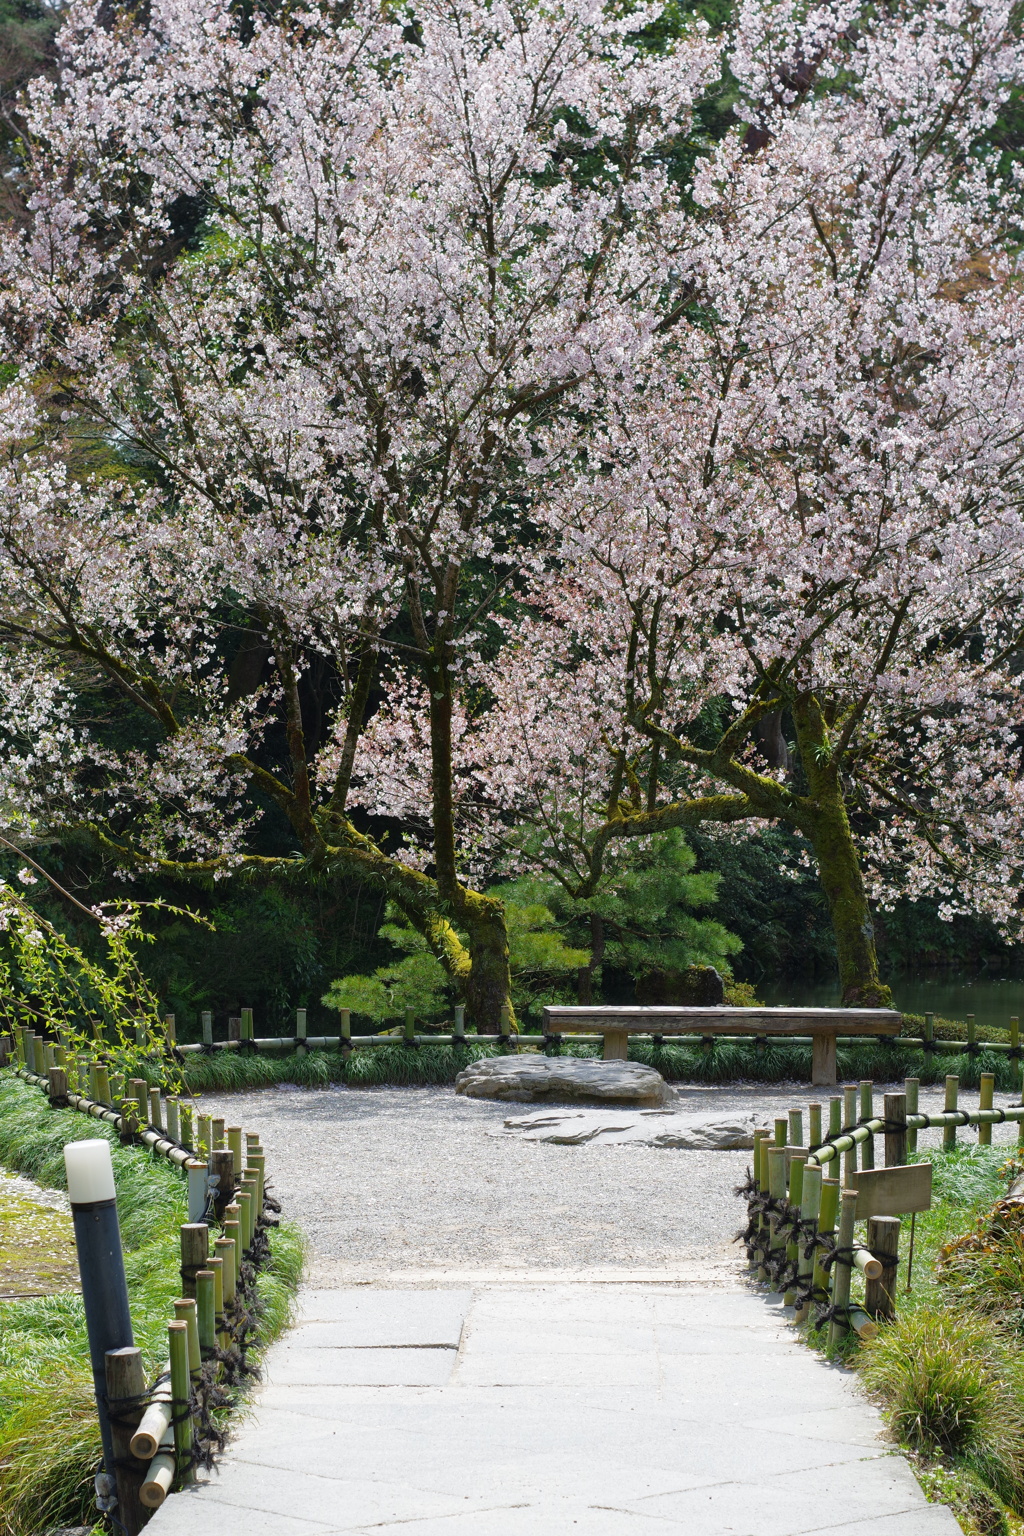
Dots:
(177, 1341)
(949, 1131)
(988, 1084)
(125, 1385)
(895, 1110)
(884, 1242)
(57, 1080)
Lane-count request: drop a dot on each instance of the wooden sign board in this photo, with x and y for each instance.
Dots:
(895, 1191)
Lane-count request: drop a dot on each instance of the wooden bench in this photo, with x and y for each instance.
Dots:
(822, 1024)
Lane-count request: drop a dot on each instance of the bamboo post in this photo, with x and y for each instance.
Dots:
(156, 1118)
(842, 1272)
(895, 1109)
(884, 1242)
(94, 1086)
(204, 1140)
(224, 1248)
(781, 1130)
(206, 1311)
(300, 1028)
(206, 1023)
(244, 1200)
(972, 1034)
(760, 1177)
(170, 1031)
(505, 1024)
(459, 1023)
(187, 1134)
(1015, 1052)
(867, 1112)
(258, 1162)
(849, 1119)
(911, 1088)
(949, 1131)
(835, 1116)
(827, 1211)
(777, 1190)
(797, 1163)
(988, 1083)
(173, 1121)
(345, 1027)
(20, 1031)
(810, 1205)
(796, 1128)
(814, 1125)
(764, 1184)
(216, 1268)
(131, 1123)
(929, 1029)
(49, 1059)
(216, 1133)
(57, 1085)
(102, 1085)
(181, 1391)
(198, 1190)
(139, 1089)
(233, 1135)
(195, 1249)
(409, 1029)
(185, 1312)
(125, 1387)
(247, 1025)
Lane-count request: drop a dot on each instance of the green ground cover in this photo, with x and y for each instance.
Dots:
(949, 1372)
(49, 1439)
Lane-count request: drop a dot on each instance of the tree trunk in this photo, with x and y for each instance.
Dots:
(840, 874)
(487, 987)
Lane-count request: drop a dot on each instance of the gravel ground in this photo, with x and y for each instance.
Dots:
(406, 1184)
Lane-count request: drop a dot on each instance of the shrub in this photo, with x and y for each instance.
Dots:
(952, 1384)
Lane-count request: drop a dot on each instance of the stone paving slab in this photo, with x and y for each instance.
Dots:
(533, 1410)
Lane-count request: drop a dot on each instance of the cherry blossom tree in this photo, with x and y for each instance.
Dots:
(802, 517)
(290, 300)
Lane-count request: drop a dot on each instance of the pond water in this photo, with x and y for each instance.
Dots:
(949, 993)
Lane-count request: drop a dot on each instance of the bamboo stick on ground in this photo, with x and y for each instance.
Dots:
(159, 1479)
(949, 1131)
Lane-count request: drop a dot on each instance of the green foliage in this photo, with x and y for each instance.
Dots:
(49, 1438)
(647, 914)
(538, 956)
(953, 1386)
(46, 981)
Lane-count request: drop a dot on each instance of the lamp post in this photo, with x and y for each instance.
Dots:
(101, 1266)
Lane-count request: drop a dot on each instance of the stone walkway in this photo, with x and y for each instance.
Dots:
(508, 1339)
(533, 1410)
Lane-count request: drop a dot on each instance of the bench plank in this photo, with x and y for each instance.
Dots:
(724, 1021)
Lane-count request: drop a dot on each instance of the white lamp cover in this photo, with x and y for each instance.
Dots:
(89, 1170)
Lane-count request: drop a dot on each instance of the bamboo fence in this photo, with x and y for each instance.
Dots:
(168, 1428)
(241, 1037)
(801, 1236)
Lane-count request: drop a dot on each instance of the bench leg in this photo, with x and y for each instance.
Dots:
(823, 1061)
(616, 1045)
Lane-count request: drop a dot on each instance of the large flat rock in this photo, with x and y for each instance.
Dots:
(642, 1128)
(524, 1079)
